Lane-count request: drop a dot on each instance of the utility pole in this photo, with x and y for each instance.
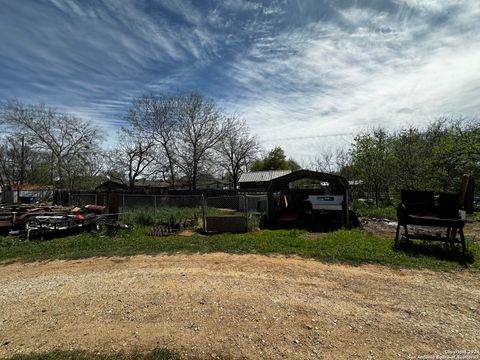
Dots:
(22, 161)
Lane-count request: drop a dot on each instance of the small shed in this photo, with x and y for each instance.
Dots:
(140, 184)
(111, 185)
(294, 194)
(151, 184)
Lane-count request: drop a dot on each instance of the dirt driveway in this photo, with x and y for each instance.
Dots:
(238, 306)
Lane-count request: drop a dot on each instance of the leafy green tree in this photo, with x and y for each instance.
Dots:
(453, 151)
(275, 160)
(373, 160)
(434, 158)
(411, 160)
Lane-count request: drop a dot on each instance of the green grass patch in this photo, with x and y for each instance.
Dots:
(159, 354)
(473, 217)
(341, 246)
(372, 211)
(149, 216)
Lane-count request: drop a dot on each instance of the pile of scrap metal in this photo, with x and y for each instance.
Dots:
(162, 230)
(171, 227)
(31, 220)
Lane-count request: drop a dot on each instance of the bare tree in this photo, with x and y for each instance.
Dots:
(325, 162)
(201, 127)
(6, 168)
(84, 168)
(20, 163)
(157, 117)
(236, 149)
(64, 136)
(132, 158)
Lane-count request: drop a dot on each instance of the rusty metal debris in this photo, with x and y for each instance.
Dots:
(33, 220)
(160, 231)
(171, 227)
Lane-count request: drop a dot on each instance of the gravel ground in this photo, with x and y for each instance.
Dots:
(236, 306)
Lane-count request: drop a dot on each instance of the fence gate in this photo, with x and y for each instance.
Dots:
(226, 214)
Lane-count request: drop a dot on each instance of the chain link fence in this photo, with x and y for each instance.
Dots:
(238, 213)
(131, 201)
(82, 199)
(235, 214)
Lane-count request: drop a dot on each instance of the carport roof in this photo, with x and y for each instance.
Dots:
(283, 181)
(262, 176)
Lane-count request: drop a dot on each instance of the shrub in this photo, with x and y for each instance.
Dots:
(363, 209)
(163, 215)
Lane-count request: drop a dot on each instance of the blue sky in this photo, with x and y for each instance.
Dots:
(296, 71)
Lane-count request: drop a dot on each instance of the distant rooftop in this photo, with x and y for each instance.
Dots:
(151, 183)
(262, 176)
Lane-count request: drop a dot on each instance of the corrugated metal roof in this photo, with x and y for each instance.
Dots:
(261, 176)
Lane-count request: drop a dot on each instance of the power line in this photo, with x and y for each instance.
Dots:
(290, 138)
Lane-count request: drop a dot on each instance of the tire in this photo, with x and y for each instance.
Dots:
(100, 226)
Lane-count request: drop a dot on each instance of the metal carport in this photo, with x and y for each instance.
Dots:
(338, 186)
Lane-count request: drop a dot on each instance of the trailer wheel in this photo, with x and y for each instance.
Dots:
(100, 225)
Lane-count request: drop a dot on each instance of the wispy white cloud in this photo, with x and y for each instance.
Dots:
(367, 68)
(294, 70)
(84, 56)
